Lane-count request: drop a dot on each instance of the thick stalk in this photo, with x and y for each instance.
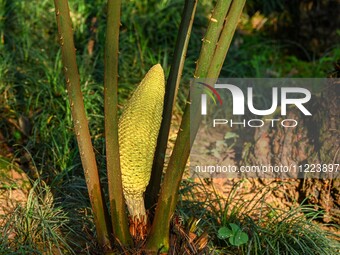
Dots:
(171, 88)
(211, 37)
(159, 234)
(226, 38)
(81, 129)
(117, 204)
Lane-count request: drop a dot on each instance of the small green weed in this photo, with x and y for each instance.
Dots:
(235, 234)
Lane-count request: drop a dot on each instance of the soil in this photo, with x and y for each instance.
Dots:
(14, 183)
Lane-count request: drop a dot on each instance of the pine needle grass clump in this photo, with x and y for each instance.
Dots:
(294, 232)
(269, 230)
(39, 226)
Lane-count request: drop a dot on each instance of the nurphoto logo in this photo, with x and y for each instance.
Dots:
(239, 99)
(264, 128)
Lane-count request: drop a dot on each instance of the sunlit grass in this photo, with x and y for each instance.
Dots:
(270, 230)
(36, 227)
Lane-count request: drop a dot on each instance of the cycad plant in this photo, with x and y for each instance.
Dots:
(136, 143)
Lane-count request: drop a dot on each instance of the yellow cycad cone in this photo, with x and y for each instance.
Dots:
(138, 131)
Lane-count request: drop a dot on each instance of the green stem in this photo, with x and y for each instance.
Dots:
(81, 129)
(117, 205)
(159, 235)
(211, 37)
(226, 38)
(170, 95)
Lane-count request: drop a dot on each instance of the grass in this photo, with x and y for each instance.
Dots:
(38, 227)
(32, 85)
(270, 230)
